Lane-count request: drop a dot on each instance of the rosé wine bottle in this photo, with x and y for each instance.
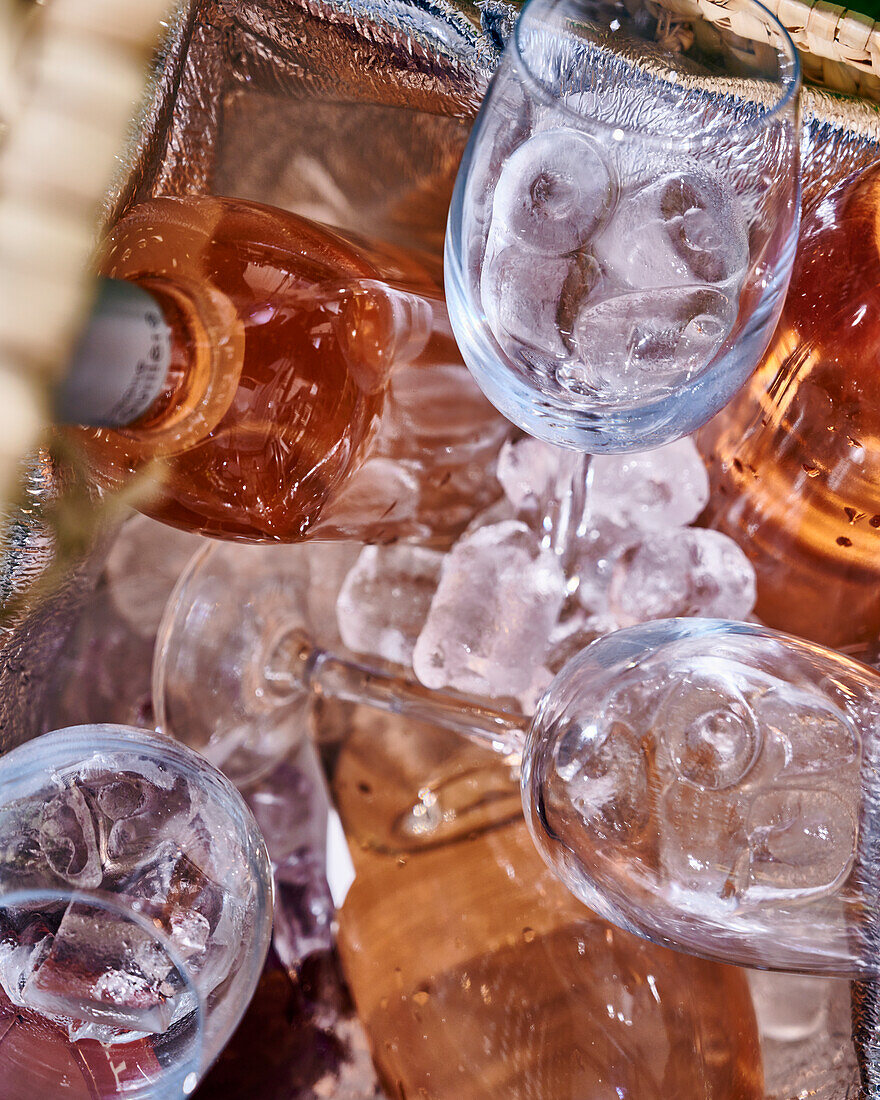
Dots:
(794, 460)
(290, 382)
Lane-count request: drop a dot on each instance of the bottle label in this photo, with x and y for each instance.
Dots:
(120, 363)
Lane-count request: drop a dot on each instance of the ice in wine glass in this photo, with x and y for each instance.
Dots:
(136, 908)
(624, 220)
(709, 785)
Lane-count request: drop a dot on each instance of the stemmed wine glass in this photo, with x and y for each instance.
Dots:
(624, 221)
(697, 781)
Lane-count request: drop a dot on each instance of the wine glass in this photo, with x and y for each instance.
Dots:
(625, 218)
(696, 781)
(136, 913)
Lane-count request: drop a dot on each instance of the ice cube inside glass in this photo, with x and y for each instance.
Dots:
(135, 900)
(625, 216)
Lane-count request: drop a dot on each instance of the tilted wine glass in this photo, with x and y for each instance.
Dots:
(624, 220)
(701, 782)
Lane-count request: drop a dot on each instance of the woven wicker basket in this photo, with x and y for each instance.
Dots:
(839, 49)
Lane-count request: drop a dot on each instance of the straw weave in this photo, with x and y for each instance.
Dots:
(72, 74)
(839, 49)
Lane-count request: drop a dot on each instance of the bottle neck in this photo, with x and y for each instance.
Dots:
(122, 361)
(158, 361)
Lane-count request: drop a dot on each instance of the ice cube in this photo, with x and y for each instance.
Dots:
(328, 566)
(202, 918)
(685, 228)
(804, 737)
(142, 568)
(666, 487)
(104, 969)
(801, 841)
(554, 193)
(304, 908)
(25, 940)
(682, 572)
(291, 808)
(184, 899)
(141, 814)
(639, 345)
(606, 779)
(384, 600)
(790, 1007)
(381, 488)
(529, 699)
(597, 552)
(522, 295)
(69, 838)
(527, 470)
(489, 622)
(706, 730)
(703, 845)
(438, 407)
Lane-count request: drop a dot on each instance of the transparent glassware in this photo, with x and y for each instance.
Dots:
(136, 914)
(701, 782)
(625, 216)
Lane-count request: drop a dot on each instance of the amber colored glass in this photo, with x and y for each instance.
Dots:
(794, 460)
(287, 341)
(475, 972)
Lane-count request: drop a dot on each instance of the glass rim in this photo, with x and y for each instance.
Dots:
(789, 87)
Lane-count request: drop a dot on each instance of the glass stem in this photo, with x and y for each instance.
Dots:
(296, 663)
(566, 508)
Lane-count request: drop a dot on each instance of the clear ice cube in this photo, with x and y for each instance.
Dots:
(146, 812)
(69, 838)
(384, 600)
(106, 970)
(802, 737)
(607, 781)
(142, 567)
(666, 487)
(800, 840)
(598, 549)
(683, 229)
(527, 469)
(554, 193)
(522, 295)
(703, 844)
(790, 1007)
(328, 565)
(708, 728)
(644, 344)
(489, 622)
(689, 571)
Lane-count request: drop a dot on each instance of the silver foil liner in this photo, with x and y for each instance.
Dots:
(354, 112)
